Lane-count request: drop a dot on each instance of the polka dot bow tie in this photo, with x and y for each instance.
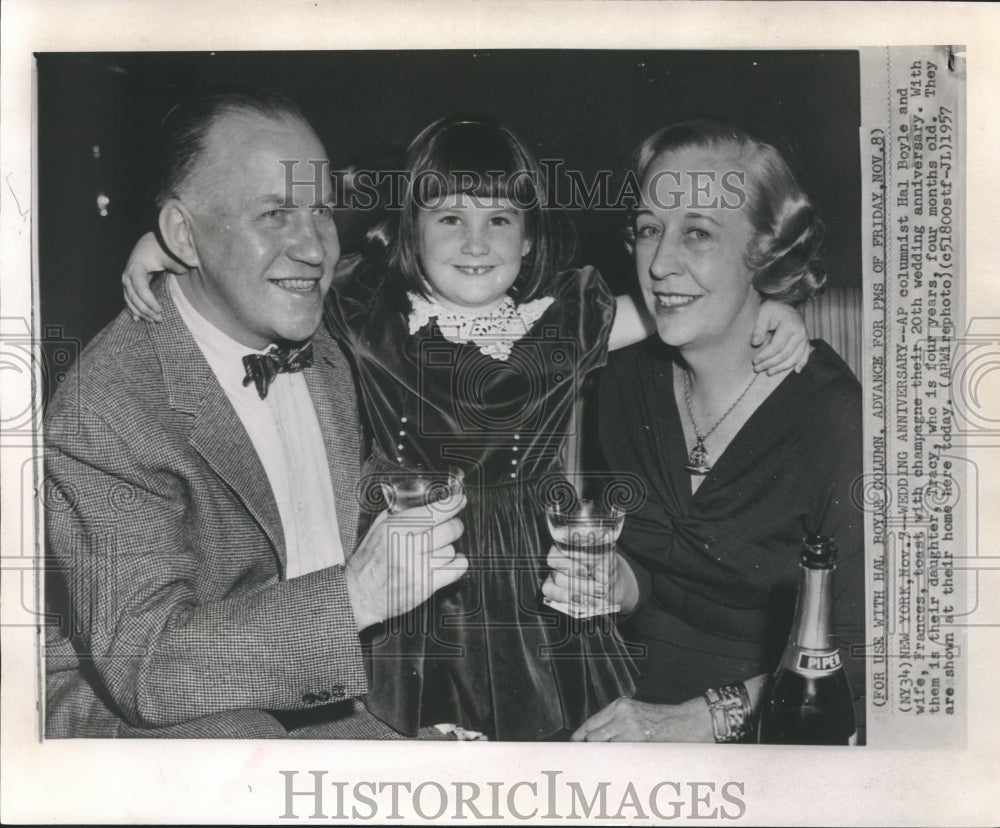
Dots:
(263, 368)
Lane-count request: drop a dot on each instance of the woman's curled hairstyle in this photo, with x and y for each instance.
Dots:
(784, 254)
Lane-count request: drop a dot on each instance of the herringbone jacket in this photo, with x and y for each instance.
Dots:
(163, 535)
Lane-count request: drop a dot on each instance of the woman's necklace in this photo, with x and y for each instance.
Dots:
(698, 458)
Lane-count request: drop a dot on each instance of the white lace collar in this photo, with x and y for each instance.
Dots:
(495, 332)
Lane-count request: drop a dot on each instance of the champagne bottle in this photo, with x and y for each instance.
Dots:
(809, 700)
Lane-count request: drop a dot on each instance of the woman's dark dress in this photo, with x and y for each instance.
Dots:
(484, 653)
(718, 570)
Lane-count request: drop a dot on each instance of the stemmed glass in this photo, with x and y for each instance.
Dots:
(421, 486)
(586, 531)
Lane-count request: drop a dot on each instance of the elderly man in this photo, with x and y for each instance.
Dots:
(202, 474)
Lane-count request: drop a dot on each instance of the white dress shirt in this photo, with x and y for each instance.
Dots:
(285, 432)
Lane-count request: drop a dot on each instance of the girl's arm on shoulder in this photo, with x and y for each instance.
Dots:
(789, 341)
(632, 324)
(146, 259)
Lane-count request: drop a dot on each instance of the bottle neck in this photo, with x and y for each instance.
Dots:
(812, 628)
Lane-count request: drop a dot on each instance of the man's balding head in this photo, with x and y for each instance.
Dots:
(185, 129)
(261, 248)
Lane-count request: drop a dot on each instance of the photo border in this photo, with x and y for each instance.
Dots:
(91, 781)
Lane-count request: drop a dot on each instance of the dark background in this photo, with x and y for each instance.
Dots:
(98, 117)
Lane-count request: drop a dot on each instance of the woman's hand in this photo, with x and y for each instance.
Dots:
(571, 583)
(789, 342)
(147, 258)
(628, 720)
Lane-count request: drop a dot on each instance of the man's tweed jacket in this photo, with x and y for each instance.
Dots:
(161, 521)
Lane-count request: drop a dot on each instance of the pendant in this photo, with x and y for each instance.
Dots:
(698, 459)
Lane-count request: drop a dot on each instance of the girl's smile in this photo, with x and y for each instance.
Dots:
(471, 250)
(475, 271)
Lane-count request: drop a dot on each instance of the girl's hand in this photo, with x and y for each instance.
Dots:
(628, 720)
(789, 345)
(147, 258)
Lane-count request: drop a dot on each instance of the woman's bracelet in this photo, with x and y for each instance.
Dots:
(731, 712)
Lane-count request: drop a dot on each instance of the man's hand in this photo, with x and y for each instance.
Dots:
(404, 559)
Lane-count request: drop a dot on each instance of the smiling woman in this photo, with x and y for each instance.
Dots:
(733, 463)
(690, 253)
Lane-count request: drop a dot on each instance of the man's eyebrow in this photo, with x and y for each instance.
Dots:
(276, 200)
(272, 198)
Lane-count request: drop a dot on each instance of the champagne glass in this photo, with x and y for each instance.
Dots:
(421, 486)
(586, 533)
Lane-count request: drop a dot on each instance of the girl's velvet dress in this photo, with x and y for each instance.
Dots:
(484, 653)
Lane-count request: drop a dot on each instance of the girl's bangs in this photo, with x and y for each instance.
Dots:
(483, 187)
(476, 160)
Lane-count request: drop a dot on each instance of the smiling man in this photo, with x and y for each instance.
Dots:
(202, 474)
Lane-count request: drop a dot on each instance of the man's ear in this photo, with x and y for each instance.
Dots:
(176, 234)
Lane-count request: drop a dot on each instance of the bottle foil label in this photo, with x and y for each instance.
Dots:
(818, 662)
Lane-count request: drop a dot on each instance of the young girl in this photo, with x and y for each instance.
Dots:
(470, 346)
